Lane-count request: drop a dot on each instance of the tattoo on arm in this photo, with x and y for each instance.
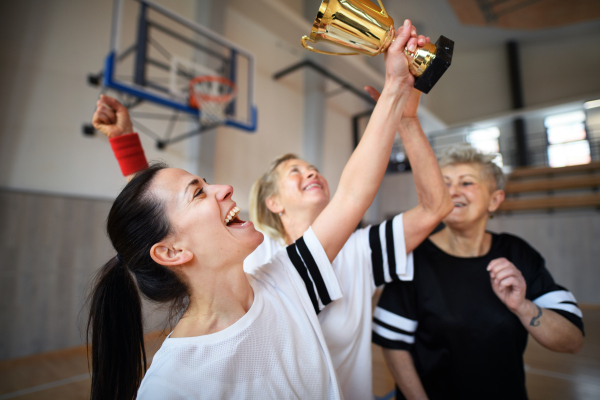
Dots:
(534, 320)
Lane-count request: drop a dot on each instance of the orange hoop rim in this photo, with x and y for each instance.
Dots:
(224, 98)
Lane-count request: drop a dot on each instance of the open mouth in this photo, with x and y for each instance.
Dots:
(232, 218)
(312, 186)
(459, 205)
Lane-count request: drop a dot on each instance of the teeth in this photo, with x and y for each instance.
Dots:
(234, 211)
(312, 185)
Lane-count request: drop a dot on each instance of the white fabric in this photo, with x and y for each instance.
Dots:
(275, 351)
(404, 270)
(397, 321)
(346, 323)
(555, 300)
(391, 335)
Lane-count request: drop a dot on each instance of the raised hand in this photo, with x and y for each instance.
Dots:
(508, 284)
(111, 117)
(410, 110)
(396, 62)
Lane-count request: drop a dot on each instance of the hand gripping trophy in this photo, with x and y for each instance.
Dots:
(360, 26)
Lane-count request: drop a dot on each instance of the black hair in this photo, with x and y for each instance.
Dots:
(136, 221)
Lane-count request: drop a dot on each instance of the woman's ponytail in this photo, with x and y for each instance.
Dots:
(137, 221)
(117, 335)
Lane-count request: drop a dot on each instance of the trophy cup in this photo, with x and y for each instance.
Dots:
(359, 26)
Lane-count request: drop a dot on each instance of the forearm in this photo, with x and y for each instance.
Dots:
(550, 329)
(433, 196)
(364, 171)
(431, 189)
(405, 374)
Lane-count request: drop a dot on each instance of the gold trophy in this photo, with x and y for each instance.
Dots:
(360, 26)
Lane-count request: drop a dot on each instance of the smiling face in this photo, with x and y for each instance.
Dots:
(300, 186)
(474, 195)
(203, 219)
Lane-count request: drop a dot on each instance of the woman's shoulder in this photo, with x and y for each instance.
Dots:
(517, 250)
(512, 241)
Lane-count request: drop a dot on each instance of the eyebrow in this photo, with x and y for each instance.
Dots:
(461, 176)
(192, 183)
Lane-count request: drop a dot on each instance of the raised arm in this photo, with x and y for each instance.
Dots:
(364, 171)
(434, 201)
(112, 119)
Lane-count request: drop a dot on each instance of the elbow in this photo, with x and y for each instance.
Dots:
(443, 207)
(576, 345)
(448, 206)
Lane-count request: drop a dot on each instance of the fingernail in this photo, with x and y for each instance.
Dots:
(414, 32)
(412, 48)
(406, 22)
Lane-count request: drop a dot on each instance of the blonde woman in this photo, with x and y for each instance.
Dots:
(459, 329)
(292, 194)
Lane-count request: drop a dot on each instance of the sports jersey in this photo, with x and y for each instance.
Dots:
(275, 351)
(371, 257)
(465, 343)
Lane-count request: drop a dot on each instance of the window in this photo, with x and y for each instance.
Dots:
(486, 141)
(567, 139)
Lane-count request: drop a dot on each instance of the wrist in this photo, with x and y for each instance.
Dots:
(396, 85)
(129, 153)
(525, 310)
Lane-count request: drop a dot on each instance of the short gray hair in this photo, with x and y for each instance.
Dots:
(467, 154)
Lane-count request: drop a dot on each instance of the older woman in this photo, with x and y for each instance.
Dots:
(459, 329)
(289, 197)
(240, 335)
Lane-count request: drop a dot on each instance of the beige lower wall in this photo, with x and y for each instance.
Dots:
(51, 247)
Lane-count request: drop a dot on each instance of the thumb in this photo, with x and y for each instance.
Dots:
(372, 92)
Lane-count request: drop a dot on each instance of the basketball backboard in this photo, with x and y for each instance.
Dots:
(155, 62)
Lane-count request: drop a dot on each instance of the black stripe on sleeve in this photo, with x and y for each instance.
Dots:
(376, 255)
(391, 250)
(314, 271)
(299, 265)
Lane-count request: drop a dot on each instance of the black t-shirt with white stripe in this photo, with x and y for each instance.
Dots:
(464, 341)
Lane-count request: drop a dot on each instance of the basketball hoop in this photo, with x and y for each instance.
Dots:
(211, 95)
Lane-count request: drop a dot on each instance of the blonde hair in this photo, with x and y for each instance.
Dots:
(263, 188)
(467, 154)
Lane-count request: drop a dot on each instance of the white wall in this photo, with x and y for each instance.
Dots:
(477, 83)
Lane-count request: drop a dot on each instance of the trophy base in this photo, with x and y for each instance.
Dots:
(439, 65)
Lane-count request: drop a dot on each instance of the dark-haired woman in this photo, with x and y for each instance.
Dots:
(240, 336)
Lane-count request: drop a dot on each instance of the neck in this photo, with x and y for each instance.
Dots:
(219, 298)
(470, 241)
(297, 222)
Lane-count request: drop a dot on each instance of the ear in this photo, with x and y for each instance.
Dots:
(496, 199)
(274, 205)
(166, 254)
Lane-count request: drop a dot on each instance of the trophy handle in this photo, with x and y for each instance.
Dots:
(383, 11)
(307, 47)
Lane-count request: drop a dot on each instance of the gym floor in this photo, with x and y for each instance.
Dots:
(63, 374)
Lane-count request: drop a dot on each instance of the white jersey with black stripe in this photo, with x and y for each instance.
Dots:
(371, 257)
(275, 351)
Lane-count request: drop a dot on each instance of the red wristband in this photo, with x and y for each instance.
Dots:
(129, 153)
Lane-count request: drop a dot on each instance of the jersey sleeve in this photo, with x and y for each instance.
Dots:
(544, 292)
(312, 264)
(389, 261)
(395, 317)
